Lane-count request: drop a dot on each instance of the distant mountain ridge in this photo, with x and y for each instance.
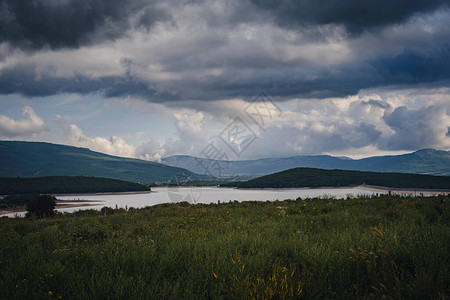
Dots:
(37, 159)
(425, 161)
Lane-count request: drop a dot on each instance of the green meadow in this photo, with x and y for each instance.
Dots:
(355, 248)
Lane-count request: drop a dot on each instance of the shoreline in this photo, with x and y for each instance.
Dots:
(376, 188)
(99, 193)
(75, 205)
(11, 211)
(59, 201)
(298, 188)
(362, 186)
(103, 193)
(59, 204)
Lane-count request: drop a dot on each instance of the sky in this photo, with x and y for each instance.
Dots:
(227, 79)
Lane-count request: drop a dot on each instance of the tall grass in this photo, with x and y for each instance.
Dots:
(313, 248)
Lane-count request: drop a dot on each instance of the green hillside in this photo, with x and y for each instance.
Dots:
(32, 159)
(66, 184)
(309, 177)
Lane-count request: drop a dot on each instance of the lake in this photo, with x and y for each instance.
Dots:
(204, 195)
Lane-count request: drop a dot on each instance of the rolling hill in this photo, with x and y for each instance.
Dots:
(35, 159)
(426, 161)
(66, 185)
(309, 177)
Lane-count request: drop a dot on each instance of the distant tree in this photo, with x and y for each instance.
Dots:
(41, 206)
(107, 210)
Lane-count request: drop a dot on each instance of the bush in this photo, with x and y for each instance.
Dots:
(41, 206)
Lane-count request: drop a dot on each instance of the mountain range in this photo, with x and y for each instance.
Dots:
(36, 159)
(425, 161)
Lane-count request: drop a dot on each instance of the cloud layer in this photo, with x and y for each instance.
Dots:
(352, 76)
(209, 50)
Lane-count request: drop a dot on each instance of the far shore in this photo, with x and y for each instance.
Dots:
(93, 194)
(77, 205)
(12, 210)
(373, 188)
(103, 193)
(59, 204)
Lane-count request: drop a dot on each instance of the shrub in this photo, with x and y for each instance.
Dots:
(41, 206)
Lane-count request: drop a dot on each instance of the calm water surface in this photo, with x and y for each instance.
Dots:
(208, 195)
(204, 195)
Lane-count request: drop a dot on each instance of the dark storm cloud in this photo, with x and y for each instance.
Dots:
(405, 69)
(356, 15)
(27, 81)
(408, 68)
(23, 79)
(70, 23)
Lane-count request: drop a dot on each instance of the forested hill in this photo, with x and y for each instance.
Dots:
(309, 177)
(33, 159)
(67, 185)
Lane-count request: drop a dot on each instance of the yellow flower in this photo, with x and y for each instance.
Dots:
(50, 293)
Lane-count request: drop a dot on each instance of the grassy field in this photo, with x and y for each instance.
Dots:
(363, 248)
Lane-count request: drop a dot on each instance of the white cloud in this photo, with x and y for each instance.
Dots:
(150, 150)
(31, 124)
(113, 145)
(426, 127)
(373, 122)
(189, 139)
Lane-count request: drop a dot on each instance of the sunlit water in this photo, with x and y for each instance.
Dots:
(203, 195)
